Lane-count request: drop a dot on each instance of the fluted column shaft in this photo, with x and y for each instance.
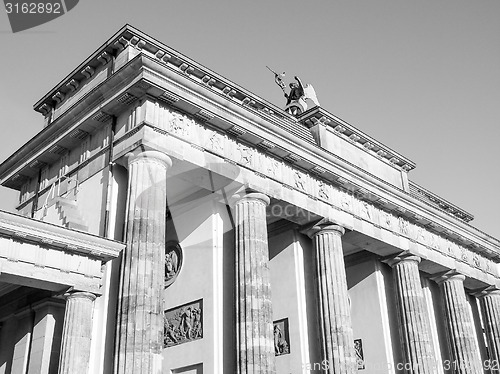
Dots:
(140, 320)
(490, 308)
(336, 336)
(77, 333)
(254, 314)
(414, 325)
(459, 326)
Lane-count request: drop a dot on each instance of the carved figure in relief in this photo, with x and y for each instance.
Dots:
(182, 324)
(245, 154)
(179, 124)
(186, 322)
(299, 180)
(173, 261)
(322, 190)
(476, 261)
(434, 241)
(215, 143)
(464, 254)
(449, 247)
(171, 265)
(421, 235)
(272, 167)
(365, 210)
(387, 218)
(345, 201)
(358, 350)
(404, 226)
(280, 344)
(169, 332)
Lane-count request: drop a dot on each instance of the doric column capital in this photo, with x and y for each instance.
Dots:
(404, 257)
(148, 156)
(249, 195)
(80, 295)
(324, 226)
(490, 291)
(449, 276)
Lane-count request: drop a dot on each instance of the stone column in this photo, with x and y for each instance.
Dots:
(490, 308)
(464, 351)
(140, 316)
(414, 325)
(77, 333)
(336, 336)
(254, 313)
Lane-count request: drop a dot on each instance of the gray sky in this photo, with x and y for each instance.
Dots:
(422, 77)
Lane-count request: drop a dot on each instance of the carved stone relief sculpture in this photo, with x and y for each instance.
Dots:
(281, 337)
(173, 261)
(183, 323)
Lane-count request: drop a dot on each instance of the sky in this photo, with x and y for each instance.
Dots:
(422, 77)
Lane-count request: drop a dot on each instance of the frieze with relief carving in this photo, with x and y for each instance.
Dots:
(216, 142)
(267, 165)
(183, 324)
(245, 155)
(323, 190)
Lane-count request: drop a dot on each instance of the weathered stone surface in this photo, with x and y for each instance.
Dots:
(77, 333)
(140, 320)
(490, 308)
(459, 326)
(414, 326)
(336, 336)
(254, 313)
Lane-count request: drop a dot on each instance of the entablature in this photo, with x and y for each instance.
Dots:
(56, 237)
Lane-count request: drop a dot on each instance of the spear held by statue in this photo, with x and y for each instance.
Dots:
(278, 78)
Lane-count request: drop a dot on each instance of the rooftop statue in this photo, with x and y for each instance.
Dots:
(299, 93)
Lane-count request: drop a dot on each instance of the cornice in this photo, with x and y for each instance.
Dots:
(52, 236)
(432, 199)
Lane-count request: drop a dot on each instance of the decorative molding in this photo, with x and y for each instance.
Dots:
(292, 158)
(318, 170)
(266, 145)
(354, 138)
(57, 149)
(58, 97)
(45, 109)
(126, 99)
(37, 164)
(339, 129)
(72, 85)
(88, 71)
(368, 145)
(121, 43)
(204, 115)
(104, 58)
(236, 131)
(168, 98)
(159, 54)
(78, 134)
(101, 117)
